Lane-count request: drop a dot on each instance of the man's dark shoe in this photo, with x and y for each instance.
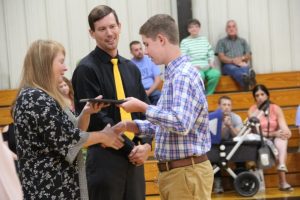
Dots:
(246, 81)
(252, 80)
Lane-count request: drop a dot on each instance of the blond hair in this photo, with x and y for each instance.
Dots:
(38, 68)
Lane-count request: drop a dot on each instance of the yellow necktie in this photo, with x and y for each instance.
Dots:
(121, 95)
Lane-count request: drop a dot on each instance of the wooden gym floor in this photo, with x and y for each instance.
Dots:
(269, 194)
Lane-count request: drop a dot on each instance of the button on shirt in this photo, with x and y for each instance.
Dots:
(232, 47)
(180, 118)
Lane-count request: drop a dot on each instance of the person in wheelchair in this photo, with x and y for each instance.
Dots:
(231, 125)
(274, 127)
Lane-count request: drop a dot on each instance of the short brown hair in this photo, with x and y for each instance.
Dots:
(161, 24)
(134, 42)
(193, 22)
(224, 97)
(100, 12)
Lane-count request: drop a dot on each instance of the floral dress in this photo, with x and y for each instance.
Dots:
(46, 147)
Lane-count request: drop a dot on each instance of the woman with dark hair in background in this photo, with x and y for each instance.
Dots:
(274, 127)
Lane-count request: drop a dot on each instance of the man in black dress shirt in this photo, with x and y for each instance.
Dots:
(111, 174)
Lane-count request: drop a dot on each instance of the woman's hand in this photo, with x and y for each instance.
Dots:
(93, 107)
(282, 134)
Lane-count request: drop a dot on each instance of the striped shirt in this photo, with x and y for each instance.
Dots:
(180, 118)
(199, 50)
(233, 47)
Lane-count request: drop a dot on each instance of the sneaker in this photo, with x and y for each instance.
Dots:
(286, 187)
(252, 80)
(282, 168)
(218, 189)
(246, 81)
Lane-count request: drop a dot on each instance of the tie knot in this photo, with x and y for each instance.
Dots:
(114, 61)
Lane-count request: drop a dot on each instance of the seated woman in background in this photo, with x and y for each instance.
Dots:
(66, 88)
(274, 127)
(48, 142)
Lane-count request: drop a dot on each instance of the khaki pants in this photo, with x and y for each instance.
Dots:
(184, 183)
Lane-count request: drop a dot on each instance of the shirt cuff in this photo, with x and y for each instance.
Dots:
(144, 127)
(73, 151)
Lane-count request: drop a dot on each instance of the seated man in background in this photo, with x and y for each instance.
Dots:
(149, 71)
(235, 55)
(231, 125)
(201, 55)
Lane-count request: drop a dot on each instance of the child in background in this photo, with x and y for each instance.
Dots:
(66, 89)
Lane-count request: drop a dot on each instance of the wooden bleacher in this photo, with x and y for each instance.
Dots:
(6, 99)
(284, 90)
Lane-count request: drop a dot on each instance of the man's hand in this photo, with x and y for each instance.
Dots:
(237, 60)
(139, 154)
(147, 92)
(227, 121)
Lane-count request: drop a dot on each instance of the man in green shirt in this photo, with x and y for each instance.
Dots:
(201, 55)
(235, 55)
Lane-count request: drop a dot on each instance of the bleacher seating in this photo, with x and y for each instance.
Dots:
(284, 91)
(6, 99)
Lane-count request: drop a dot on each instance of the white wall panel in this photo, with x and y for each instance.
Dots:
(200, 12)
(4, 65)
(137, 15)
(294, 7)
(58, 26)
(271, 26)
(238, 11)
(280, 35)
(36, 22)
(260, 35)
(217, 14)
(16, 38)
(77, 29)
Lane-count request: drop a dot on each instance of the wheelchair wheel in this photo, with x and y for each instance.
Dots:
(246, 184)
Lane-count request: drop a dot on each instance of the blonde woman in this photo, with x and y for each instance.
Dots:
(48, 144)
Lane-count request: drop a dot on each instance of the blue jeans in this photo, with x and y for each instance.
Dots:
(154, 97)
(236, 72)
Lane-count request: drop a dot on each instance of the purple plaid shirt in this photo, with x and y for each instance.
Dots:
(180, 118)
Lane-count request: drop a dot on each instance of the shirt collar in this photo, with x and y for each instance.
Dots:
(105, 57)
(233, 39)
(174, 64)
